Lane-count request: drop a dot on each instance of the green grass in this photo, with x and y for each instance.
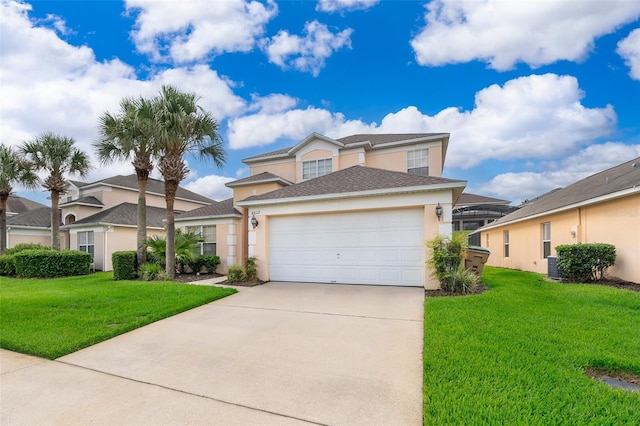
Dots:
(516, 354)
(54, 317)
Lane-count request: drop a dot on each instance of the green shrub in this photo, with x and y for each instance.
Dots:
(7, 265)
(26, 246)
(464, 280)
(250, 270)
(210, 263)
(446, 259)
(151, 272)
(52, 263)
(235, 274)
(585, 262)
(124, 265)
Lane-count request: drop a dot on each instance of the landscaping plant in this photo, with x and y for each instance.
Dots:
(585, 262)
(447, 263)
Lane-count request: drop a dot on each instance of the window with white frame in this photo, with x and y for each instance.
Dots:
(85, 242)
(546, 240)
(316, 168)
(418, 162)
(208, 244)
(506, 243)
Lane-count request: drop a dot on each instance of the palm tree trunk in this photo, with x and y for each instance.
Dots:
(170, 188)
(55, 220)
(3, 223)
(142, 219)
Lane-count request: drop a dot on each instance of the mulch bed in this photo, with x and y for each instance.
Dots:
(618, 283)
(480, 288)
(596, 373)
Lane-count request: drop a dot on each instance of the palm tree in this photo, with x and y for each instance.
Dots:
(57, 156)
(13, 170)
(129, 135)
(184, 127)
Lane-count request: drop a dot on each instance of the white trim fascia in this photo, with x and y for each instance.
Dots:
(93, 225)
(253, 182)
(364, 144)
(596, 200)
(432, 138)
(208, 217)
(357, 194)
(40, 228)
(310, 138)
(249, 161)
(73, 203)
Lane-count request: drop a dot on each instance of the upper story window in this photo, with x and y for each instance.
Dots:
(316, 168)
(418, 162)
(505, 236)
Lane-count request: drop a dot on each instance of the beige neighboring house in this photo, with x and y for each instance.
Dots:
(353, 210)
(101, 217)
(27, 222)
(602, 208)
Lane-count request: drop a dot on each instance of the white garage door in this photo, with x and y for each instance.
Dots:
(383, 247)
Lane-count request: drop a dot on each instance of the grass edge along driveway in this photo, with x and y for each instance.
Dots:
(516, 354)
(54, 317)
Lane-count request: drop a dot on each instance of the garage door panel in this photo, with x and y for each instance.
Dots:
(378, 247)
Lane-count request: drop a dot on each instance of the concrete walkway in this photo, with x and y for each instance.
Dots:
(281, 353)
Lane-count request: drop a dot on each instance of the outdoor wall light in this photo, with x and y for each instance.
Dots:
(439, 211)
(254, 221)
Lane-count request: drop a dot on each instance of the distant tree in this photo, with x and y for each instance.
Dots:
(129, 136)
(57, 156)
(14, 170)
(183, 128)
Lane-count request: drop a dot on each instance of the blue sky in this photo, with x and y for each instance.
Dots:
(536, 95)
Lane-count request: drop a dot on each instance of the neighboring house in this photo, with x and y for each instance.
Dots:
(473, 211)
(17, 205)
(353, 210)
(602, 208)
(101, 217)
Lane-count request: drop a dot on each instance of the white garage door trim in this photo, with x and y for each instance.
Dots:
(380, 247)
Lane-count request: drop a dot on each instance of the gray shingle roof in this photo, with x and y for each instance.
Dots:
(260, 177)
(154, 186)
(17, 204)
(222, 208)
(353, 179)
(40, 217)
(373, 138)
(610, 181)
(125, 214)
(91, 200)
(467, 199)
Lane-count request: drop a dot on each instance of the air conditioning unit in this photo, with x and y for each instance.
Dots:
(552, 268)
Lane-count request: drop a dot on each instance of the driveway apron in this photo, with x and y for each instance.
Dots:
(280, 353)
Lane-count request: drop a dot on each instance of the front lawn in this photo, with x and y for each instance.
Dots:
(54, 317)
(517, 353)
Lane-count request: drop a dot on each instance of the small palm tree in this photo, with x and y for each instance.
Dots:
(129, 135)
(186, 245)
(184, 127)
(57, 156)
(13, 170)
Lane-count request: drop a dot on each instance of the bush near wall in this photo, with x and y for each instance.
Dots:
(125, 265)
(52, 263)
(585, 262)
(26, 246)
(7, 265)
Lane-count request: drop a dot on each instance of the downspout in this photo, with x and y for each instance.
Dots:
(104, 253)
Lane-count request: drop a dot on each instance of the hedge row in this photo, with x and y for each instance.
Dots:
(51, 263)
(585, 262)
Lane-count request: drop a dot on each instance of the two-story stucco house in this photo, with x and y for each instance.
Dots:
(353, 210)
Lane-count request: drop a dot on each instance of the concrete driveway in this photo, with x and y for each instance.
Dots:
(281, 353)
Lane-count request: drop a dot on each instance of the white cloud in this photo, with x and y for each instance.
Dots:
(50, 85)
(273, 103)
(192, 30)
(211, 186)
(629, 49)
(520, 186)
(539, 116)
(503, 33)
(342, 5)
(308, 53)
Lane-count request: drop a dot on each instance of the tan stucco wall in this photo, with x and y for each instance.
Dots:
(242, 192)
(348, 160)
(286, 169)
(16, 238)
(226, 239)
(614, 222)
(396, 161)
